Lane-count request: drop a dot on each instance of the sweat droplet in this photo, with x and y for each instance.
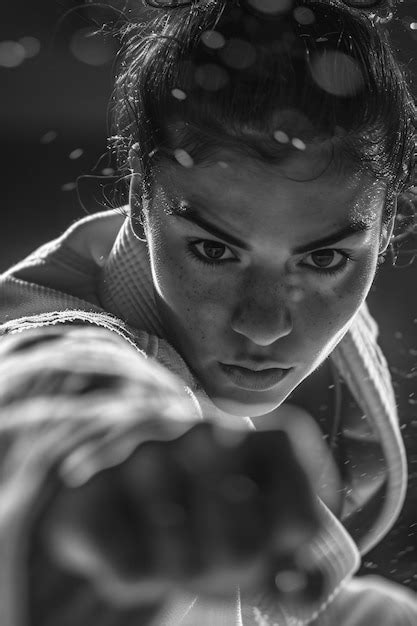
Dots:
(298, 143)
(49, 137)
(76, 154)
(69, 186)
(281, 137)
(213, 39)
(183, 158)
(179, 94)
(337, 73)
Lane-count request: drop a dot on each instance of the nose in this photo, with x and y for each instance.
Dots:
(262, 313)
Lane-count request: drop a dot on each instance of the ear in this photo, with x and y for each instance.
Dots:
(135, 194)
(387, 229)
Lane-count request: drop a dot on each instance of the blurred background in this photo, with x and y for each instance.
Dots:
(56, 81)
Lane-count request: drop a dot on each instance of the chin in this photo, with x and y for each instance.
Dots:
(248, 407)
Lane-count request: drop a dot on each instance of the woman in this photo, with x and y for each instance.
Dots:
(265, 160)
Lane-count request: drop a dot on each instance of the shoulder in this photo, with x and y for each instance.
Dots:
(93, 236)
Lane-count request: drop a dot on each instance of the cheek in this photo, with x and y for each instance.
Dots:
(191, 300)
(327, 313)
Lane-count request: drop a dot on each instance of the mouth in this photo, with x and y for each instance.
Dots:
(254, 380)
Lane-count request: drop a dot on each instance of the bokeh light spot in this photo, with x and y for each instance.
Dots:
(12, 54)
(298, 143)
(179, 94)
(238, 54)
(211, 77)
(281, 137)
(213, 39)
(337, 73)
(290, 581)
(76, 154)
(107, 171)
(49, 137)
(91, 48)
(271, 7)
(304, 16)
(183, 158)
(32, 46)
(69, 186)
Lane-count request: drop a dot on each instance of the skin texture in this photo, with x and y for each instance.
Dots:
(269, 304)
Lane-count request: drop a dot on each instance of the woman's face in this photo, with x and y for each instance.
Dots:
(257, 276)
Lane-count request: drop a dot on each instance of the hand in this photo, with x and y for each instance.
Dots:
(210, 510)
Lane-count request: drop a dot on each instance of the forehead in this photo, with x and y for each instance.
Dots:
(309, 192)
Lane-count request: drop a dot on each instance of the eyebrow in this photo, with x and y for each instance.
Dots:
(191, 214)
(354, 228)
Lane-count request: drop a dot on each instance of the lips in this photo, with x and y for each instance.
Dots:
(260, 379)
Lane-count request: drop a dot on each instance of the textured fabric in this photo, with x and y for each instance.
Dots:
(105, 270)
(370, 601)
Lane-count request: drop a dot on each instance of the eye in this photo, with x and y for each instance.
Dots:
(328, 260)
(211, 251)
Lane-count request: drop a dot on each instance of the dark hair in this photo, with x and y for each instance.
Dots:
(218, 74)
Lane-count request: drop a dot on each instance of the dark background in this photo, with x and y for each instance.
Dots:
(53, 112)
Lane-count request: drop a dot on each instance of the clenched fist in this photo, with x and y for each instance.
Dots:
(209, 510)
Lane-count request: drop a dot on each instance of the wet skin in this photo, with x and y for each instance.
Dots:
(262, 303)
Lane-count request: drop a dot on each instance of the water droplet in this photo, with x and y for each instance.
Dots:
(76, 154)
(183, 158)
(298, 143)
(179, 94)
(213, 39)
(69, 186)
(12, 54)
(304, 16)
(49, 137)
(281, 137)
(238, 54)
(211, 77)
